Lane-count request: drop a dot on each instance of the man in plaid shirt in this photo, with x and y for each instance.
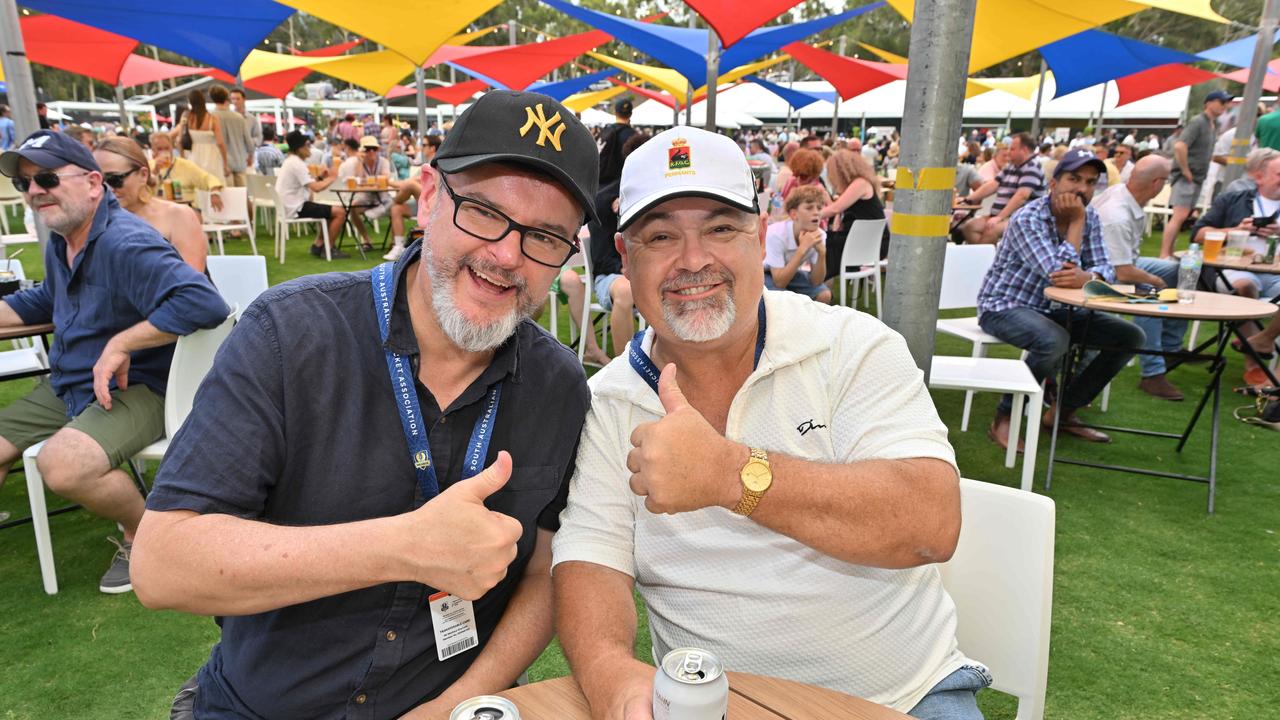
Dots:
(1055, 240)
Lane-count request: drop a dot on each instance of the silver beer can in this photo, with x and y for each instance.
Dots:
(690, 684)
(485, 707)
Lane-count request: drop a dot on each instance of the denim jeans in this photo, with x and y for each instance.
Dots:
(1161, 334)
(1044, 337)
(954, 698)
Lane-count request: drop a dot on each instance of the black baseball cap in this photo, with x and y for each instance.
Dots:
(49, 150)
(525, 128)
(1076, 159)
(623, 107)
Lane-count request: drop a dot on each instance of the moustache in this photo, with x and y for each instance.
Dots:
(693, 279)
(494, 271)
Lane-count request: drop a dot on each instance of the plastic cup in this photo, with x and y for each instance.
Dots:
(1236, 242)
(351, 183)
(1213, 241)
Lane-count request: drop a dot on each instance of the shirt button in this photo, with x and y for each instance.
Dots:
(391, 635)
(361, 698)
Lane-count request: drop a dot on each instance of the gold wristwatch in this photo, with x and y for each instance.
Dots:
(756, 478)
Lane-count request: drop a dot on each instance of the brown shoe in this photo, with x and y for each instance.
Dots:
(1070, 424)
(1159, 386)
(999, 432)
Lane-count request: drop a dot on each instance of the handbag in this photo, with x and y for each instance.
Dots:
(1266, 408)
(186, 136)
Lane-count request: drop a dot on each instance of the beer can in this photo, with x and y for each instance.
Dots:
(485, 707)
(690, 684)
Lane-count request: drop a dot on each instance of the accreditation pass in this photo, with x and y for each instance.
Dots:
(454, 621)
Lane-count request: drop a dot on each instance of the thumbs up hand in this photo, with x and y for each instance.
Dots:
(681, 463)
(456, 544)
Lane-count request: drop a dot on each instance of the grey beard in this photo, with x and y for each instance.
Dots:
(692, 324)
(466, 334)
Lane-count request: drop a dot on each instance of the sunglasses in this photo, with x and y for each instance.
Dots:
(47, 180)
(116, 180)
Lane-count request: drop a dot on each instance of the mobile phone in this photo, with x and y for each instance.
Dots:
(1262, 221)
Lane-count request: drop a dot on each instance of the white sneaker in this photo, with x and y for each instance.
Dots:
(395, 253)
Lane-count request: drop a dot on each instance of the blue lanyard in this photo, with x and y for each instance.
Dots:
(406, 394)
(644, 367)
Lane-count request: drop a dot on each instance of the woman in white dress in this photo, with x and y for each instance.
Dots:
(207, 148)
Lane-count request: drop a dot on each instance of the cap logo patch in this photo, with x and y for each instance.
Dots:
(678, 155)
(547, 126)
(35, 142)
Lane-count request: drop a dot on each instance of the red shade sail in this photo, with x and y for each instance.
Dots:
(663, 98)
(849, 76)
(1270, 81)
(139, 70)
(733, 19)
(70, 46)
(447, 94)
(520, 66)
(277, 85)
(1159, 79)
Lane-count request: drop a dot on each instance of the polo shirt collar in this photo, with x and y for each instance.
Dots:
(1125, 198)
(401, 338)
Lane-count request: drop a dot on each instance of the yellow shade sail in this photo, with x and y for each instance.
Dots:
(581, 101)
(469, 37)
(378, 71)
(1023, 87)
(261, 62)
(1007, 28)
(665, 79)
(884, 54)
(413, 28)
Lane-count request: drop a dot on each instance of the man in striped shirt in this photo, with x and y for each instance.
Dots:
(1021, 181)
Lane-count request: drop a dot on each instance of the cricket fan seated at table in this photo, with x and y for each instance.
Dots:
(118, 295)
(768, 471)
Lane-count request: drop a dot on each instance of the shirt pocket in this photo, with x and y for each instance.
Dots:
(530, 490)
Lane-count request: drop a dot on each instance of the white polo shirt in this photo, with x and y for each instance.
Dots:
(1124, 224)
(833, 385)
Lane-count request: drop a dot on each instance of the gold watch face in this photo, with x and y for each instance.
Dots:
(756, 476)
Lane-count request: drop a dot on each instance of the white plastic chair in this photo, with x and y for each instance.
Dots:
(239, 278)
(1159, 206)
(963, 270)
(9, 197)
(192, 358)
(283, 225)
(861, 258)
(1001, 579)
(983, 374)
(27, 355)
(260, 187)
(234, 215)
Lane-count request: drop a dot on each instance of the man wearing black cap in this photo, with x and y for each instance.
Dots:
(118, 295)
(1055, 240)
(374, 526)
(1192, 153)
(615, 137)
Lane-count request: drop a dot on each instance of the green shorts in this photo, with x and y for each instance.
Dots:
(135, 420)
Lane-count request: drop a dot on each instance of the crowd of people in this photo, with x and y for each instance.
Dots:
(753, 430)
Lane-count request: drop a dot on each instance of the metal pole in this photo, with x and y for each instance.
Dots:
(126, 122)
(1035, 119)
(835, 112)
(20, 87)
(940, 38)
(791, 83)
(713, 77)
(862, 130)
(1102, 106)
(688, 94)
(420, 79)
(1252, 91)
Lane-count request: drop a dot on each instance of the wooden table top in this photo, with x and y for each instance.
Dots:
(1222, 262)
(1208, 305)
(21, 331)
(751, 697)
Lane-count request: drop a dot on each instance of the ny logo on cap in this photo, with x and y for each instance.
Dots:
(35, 142)
(547, 128)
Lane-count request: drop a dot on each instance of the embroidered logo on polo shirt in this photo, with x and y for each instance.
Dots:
(804, 427)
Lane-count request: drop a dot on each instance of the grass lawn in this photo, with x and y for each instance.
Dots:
(1160, 611)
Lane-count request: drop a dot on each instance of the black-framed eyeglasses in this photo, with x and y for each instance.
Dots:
(484, 221)
(116, 180)
(47, 179)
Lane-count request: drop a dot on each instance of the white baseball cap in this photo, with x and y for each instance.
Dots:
(685, 162)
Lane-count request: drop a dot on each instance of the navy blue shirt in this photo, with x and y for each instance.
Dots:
(296, 424)
(126, 273)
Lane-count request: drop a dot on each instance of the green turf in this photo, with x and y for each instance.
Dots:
(1160, 611)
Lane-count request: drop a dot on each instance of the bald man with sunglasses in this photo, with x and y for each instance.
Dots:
(118, 295)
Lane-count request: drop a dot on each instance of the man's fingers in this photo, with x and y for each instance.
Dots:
(487, 482)
(669, 390)
(637, 485)
(102, 389)
(639, 433)
(633, 460)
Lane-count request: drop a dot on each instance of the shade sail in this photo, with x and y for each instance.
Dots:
(663, 98)
(218, 34)
(412, 28)
(685, 49)
(667, 79)
(885, 54)
(1007, 28)
(375, 71)
(1237, 52)
(77, 48)
(732, 19)
(278, 85)
(582, 101)
(850, 77)
(139, 70)
(263, 62)
(1023, 87)
(517, 67)
(1270, 82)
(794, 98)
(564, 88)
(456, 93)
(1093, 56)
(1160, 79)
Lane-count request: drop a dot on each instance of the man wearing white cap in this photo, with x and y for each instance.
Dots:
(780, 500)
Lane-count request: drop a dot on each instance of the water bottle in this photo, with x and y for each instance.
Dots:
(1189, 274)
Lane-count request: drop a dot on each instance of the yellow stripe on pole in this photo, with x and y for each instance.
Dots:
(934, 178)
(920, 225)
(1239, 142)
(1236, 160)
